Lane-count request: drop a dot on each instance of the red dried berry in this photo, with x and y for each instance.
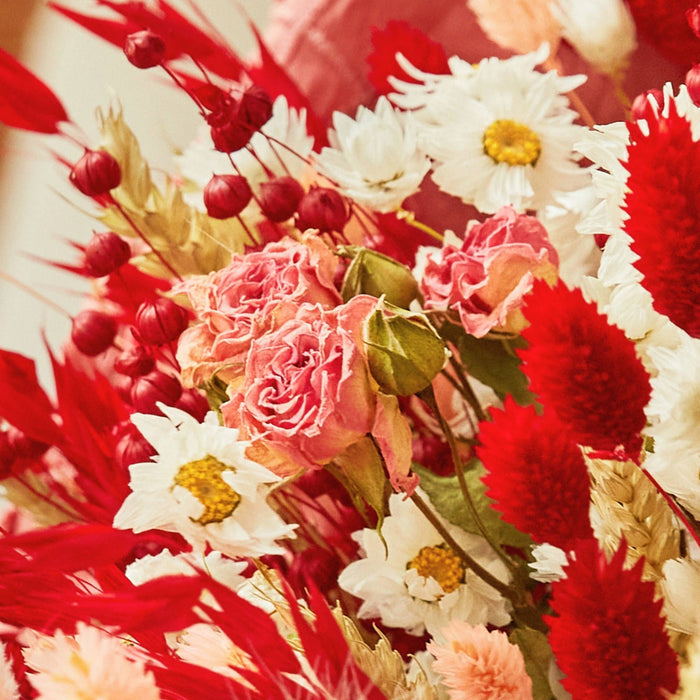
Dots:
(194, 403)
(231, 137)
(105, 253)
(96, 173)
(144, 49)
(255, 107)
(226, 196)
(161, 321)
(135, 361)
(322, 208)
(692, 82)
(93, 331)
(643, 107)
(153, 388)
(280, 197)
(132, 448)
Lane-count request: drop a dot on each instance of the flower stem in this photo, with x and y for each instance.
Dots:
(468, 392)
(410, 218)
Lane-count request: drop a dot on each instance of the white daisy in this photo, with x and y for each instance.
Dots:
(602, 31)
(92, 664)
(501, 133)
(374, 158)
(421, 584)
(202, 485)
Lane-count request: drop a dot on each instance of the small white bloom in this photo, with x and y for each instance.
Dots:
(374, 158)
(680, 585)
(421, 584)
(92, 664)
(602, 31)
(549, 563)
(500, 133)
(202, 485)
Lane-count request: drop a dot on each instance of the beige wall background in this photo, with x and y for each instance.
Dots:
(38, 209)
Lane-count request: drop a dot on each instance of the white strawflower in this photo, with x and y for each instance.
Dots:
(680, 585)
(92, 664)
(602, 31)
(202, 485)
(374, 158)
(501, 133)
(421, 584)
(549, 563)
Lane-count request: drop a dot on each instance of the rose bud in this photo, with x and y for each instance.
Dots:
(105, 253)
(255, 107)
(93, 331)
(161, 321)
(135, 361)
(96, 173)
(226, 196)
(156, 387)
(322, 208)
(231, 136)
(194, 403)
(23, 446)
(144, 49)
(132, 448)
(642, 103)
(280, 197)
(692, 82)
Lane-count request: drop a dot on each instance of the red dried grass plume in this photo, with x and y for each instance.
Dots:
(608, 636)
(536, 475)
(417, 47)
(663, 204)
(584, 370)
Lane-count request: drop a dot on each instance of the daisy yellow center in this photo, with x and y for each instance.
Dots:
(508, 141)
(202, 478)
(441, 563)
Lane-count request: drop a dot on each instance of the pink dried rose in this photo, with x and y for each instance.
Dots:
(484, 280)
(240, 302)
(480, 665)
(308, 394)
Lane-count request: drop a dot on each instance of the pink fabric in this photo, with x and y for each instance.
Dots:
(324, 44)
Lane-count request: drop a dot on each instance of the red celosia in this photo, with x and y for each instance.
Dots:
(536, 474)
(608, 636)
(663, 203)
(417, 47)
(663, 24)
(584, 370)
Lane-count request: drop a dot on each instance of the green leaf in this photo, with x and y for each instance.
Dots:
(446, 496)
(538, 656)
(492, 362)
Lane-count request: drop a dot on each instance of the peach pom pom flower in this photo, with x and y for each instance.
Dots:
(480, 665)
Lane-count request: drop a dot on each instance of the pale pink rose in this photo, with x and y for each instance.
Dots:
(485, 279)
(240, 302)
(480, 665)
(308, 393)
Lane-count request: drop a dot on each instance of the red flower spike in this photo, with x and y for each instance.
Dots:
(692, 82)
(647, 104)
(536, 475)
(144, 49)
(96, 173)
(23, 446)
(608, 636)
(324, 209)
(105, 253)
(25, 101)
(280, 197)
(153, 388)
(161, 321)
(400, 37)
(662, 203)
(693, 18)
(93, 332)
(584, 370)
(226, 196)
(663, 24)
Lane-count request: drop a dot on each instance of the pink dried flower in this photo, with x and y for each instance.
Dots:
(480, 665)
